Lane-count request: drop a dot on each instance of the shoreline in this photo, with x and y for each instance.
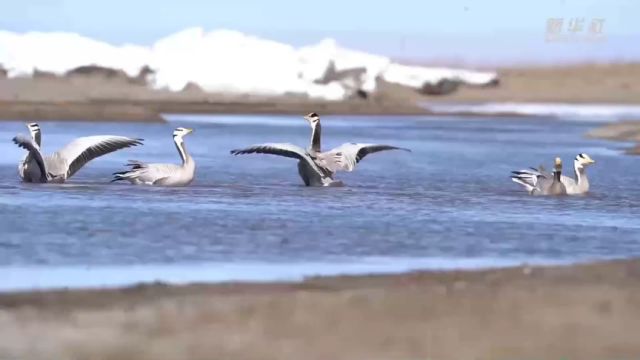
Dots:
(96, 98)
(622, 131)
(154, 111)
(574, 311)
(151, 111)
(84, 277)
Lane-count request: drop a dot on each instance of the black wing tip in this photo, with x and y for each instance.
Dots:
(20, 143)
(392, 147)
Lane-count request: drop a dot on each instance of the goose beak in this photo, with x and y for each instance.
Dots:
(311, 117)
(189, 131)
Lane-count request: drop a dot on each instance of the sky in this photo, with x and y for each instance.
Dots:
(472, 31)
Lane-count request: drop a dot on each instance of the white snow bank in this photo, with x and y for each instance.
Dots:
(596, 112)
(223, 61)
(55, 52)
(416, 76)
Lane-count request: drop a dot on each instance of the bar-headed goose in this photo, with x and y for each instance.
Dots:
(315, 167)
(61, 165)
(162, 174)
(580, 183)
(556, 187)
(538, 182)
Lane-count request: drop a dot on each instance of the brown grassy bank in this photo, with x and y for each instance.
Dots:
(575, 312)
(107, 99)
(627, 131)
(589, 83)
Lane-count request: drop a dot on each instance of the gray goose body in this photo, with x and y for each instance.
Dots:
(142, 173)
(64, 163)
(556, 188)
(317, 168)
(541, 183)
(310, 171)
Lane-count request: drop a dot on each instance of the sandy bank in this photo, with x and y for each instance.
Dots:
(605, 83)
(102, 99)
(575, 312)
(113, 99)
(627, 131)
(150, 111)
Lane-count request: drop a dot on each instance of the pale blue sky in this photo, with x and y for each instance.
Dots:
(486, 31)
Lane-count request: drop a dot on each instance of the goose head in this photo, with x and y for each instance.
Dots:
(313, 119)
(582, 161)
(34, 130)
(557, 165)
(181, 132)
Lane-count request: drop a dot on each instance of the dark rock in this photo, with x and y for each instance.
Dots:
(39, 74)
(144, 76)
(96, 71)
(331, 74)
(442, 87)
(192, 88)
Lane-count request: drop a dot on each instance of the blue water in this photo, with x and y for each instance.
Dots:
(449, 203)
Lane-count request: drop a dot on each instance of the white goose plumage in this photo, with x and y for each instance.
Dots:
(315, 167)
(162, 174)
(64, 163)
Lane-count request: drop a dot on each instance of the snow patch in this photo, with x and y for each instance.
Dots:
(595, 112)
(224, 61)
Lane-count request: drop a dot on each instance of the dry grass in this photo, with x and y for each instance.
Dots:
(584, 312)
(605, 83)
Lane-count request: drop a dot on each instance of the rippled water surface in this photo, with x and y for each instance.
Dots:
(448, 202)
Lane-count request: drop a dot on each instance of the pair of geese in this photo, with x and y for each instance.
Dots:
(316, 168)
(61, 165)
(539, 182)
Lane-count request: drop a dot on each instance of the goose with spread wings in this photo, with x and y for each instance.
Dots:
(64, 163)
(317, 168)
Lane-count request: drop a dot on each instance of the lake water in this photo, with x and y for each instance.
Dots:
(448, 204)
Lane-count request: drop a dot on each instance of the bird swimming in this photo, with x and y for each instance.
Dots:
(556, 187)
(64, 163)
(575, 186)
(541, 183)
(317, 168)
(162, 174)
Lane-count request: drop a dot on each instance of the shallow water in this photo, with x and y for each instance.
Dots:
(449, 203)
